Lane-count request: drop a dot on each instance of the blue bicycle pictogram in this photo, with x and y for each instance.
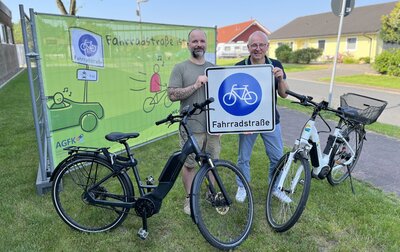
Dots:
(88, 45)
(240, 94)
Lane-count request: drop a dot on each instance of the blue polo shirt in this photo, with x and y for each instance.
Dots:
(275, 63)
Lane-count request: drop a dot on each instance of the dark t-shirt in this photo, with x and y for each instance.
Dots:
(275, 63)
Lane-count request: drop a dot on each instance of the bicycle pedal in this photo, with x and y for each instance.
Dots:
(150, 180)
(142, 234)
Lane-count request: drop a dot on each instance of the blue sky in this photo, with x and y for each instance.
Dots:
(272, 14)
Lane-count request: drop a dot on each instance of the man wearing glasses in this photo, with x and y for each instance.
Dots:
(258, 47)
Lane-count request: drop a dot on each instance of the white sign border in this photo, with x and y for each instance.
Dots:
(273, 109)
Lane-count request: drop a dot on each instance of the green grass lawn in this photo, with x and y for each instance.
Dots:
(380, 81)
(334, 218)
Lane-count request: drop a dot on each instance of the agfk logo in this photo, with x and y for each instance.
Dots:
(240, 94)
(69, 141)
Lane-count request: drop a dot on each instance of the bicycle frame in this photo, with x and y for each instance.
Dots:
(167, 177)
(244, 90)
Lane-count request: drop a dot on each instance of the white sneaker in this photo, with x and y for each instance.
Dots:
(282, 196)
(241, 194)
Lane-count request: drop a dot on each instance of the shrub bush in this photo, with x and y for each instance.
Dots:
(283, 53)
(306, 55)
(365, 60)
(388, 62)
(350, 60)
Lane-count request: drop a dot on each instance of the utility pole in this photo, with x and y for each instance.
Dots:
(138, 11)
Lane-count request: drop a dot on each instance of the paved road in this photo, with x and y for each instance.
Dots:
(306, 83)
(380, 157)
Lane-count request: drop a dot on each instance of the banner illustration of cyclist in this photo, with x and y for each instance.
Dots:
(106, 75)
(244, 99)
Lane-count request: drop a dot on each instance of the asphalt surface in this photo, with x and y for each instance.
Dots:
(380, 157)
(308, 83)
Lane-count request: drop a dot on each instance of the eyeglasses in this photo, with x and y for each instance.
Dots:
(261, 46)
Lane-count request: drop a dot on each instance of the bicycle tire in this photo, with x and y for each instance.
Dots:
(167, 102)
(149, 104)
(282, 216)
(355, 137)
(224, 226)
(227, 99)
(70, 185)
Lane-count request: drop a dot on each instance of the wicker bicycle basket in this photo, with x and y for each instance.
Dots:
(360, 108)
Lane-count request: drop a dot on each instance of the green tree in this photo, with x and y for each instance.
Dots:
(72, 7)
(283, 53)
(390, 30)
(17, 31)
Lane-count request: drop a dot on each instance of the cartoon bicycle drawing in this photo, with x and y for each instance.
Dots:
(249, 97)
(150, 102)
(88, 47)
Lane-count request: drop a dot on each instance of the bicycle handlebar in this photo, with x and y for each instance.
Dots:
(201, 105)
(307, 100)
(186, 112)
(169, 118)
(302, 98)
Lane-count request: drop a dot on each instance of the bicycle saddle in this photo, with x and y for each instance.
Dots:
(117, 136)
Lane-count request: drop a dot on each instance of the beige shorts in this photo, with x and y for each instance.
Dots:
(208, 143)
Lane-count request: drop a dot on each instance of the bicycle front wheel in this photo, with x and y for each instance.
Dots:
(341, 153)
(224, 222)
(71, 189)
(286, 204)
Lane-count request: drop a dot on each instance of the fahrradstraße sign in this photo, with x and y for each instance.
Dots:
(86, 47)
(244, 99)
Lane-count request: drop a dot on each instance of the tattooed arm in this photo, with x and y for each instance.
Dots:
(177, 94)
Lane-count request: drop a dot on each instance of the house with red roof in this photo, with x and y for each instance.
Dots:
(232, 39)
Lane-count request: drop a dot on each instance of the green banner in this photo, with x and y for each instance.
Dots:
(102, 76)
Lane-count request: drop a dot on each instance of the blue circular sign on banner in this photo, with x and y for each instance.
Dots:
(240, 94)
(87, 45)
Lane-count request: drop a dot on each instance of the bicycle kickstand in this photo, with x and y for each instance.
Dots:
(143, 233)
(351, 180)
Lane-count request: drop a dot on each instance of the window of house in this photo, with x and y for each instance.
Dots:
(321, 44)
(9, 37)
(237, 48)
(227, 48)
(351, 43)
(2, 34)
(244, 48)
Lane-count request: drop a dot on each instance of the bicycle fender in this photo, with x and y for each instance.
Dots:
(203, 169)
(71, 158)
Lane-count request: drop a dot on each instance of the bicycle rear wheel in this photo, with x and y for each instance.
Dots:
(284, 206)
(341, 153)
(224, 222)
(70, 193)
